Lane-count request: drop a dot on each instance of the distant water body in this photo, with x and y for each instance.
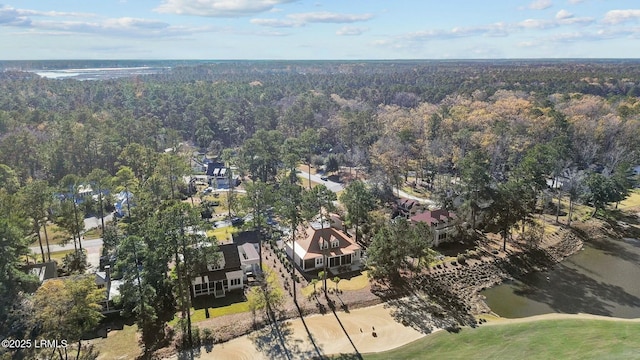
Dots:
(99, 73)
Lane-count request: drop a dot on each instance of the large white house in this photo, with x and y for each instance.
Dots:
(316, 244)
(220, 276)
(236, 261)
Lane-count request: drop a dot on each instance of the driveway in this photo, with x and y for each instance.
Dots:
(331, 185)
(403, 194)
(94, 221)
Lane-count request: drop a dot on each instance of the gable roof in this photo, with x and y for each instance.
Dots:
(310, 238)
(251, 237)
(433, 217)
(231, 258)
(212, 166)
(407, 203)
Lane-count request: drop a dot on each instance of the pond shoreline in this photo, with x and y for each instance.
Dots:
(457, 287)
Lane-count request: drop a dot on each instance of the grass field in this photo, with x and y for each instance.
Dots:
(632, 201)
(92, 234)
(355, 283)
(222, 234)
(56, 235)
(59, 255)
(546, 339)
(198, 315)
(119, 344)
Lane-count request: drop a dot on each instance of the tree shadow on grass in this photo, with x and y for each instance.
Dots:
(210, 301)
(420, 313)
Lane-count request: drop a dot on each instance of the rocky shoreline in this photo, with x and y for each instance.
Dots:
(456, 287)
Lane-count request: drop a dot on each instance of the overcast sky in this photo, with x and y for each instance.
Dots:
(318, 29)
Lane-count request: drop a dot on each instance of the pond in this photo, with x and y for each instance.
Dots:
(602, 279)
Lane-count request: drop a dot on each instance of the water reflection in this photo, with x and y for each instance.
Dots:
(602, 279)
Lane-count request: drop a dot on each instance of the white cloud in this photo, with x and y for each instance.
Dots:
(620, 16)
(575, 1)
(563, 14)
(576, 21)
(350, 31)
(536, 24)
(129, 27)
(328, 17)
(302, 19)
(540, 4)
(276, 23)
(218, 8)
(10, 16)
(22, 17)
(24, 12)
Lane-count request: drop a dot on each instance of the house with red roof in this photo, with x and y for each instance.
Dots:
(441, 221)
(315, 244)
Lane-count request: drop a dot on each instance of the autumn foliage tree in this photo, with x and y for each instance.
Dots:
(68, 309)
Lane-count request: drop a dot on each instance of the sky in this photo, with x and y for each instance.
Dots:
(318, 29)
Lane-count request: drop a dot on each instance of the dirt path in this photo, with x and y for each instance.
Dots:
(328, 334)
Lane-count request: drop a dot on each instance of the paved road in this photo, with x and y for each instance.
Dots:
(94, 222)
(331, 185)
(335, 187)
(93, 248)
(403, 194)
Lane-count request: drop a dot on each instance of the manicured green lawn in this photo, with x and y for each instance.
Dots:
(215, 309)
(546, 339)
(222, 234)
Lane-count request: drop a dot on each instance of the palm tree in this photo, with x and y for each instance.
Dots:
(314, 282)
(336, 280)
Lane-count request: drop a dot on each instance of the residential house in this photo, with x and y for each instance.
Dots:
(441, 221)
(124, 201)
(218, 175)
(237, 260)
(316, 244)
(408, 207)
(112, 289)
(221, 276)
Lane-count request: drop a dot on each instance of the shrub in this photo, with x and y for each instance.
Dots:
(462, 259)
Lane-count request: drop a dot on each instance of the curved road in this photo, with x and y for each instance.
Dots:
(331, 185)
(336, 187)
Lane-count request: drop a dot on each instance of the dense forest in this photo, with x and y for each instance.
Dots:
(481, 136)
(50, 128)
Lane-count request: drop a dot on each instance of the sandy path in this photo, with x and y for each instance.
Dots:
(327, 334)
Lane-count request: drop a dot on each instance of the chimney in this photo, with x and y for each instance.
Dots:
(107, 270)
